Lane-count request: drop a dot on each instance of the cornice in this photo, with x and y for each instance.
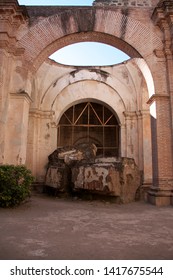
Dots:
(21, 95)
(163, 12)
(13, 12)
(156, 97)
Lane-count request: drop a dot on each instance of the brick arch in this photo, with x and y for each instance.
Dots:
(85, 37)
(67, 26)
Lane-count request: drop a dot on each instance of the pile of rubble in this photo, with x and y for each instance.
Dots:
(78, 169)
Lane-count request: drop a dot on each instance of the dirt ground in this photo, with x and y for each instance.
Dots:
(59, 228)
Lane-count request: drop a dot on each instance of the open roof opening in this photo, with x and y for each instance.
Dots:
(89, 54)
(56, 2)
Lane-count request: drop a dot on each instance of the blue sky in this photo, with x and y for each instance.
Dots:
(85, 54)
(89, 53)
(56, 2)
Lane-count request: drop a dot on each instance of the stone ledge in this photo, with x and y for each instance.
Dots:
(21, 95)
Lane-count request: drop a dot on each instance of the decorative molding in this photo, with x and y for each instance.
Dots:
(13, 12)
(131, 114)
(156, 97)
(41, 114)
(21, 95)
(163, 13)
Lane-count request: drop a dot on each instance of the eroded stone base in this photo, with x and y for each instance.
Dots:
(143, 194)
(58, 177)
(159, 199)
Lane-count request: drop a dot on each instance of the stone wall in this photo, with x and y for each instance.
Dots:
(121, 3)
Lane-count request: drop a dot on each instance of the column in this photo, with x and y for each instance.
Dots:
(146, 147)
(17, 128)
(160, 193)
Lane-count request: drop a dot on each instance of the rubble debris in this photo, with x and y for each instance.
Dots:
(71, 154)
(58, 177)
(77, 168)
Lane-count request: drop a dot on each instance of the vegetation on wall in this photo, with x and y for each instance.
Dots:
(15, 182)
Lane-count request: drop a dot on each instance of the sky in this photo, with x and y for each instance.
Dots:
(85, 54)
(89, 53)
(56, 2)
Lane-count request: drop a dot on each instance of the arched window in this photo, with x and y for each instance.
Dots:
(90, 122)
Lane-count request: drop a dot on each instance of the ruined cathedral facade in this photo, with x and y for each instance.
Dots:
(125, 110)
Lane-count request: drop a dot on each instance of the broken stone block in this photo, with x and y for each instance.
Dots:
(77, 169)
(130, 179)
(96, 178)
(58, 177)
(70, 155)
(58, 174)
(120, 178)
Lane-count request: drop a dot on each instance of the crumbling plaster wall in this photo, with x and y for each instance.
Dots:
(121, 87)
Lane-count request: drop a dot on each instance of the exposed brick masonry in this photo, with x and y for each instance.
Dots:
(129, 3)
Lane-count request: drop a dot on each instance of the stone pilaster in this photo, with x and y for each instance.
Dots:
(3, 102)
(17, 128)
(146, 147)
(138, 144)
(123, 142)
(41, 141)
(132, 136)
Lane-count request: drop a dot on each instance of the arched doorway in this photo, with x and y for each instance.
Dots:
(90, 122)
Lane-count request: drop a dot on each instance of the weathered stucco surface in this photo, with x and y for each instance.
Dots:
(116, 177)
(120, 87)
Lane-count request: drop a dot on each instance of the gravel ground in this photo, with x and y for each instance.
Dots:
(52, 228)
